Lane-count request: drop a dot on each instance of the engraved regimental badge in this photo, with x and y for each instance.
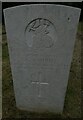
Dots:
(40, 33)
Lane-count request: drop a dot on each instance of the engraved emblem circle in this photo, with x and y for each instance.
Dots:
(40, 33)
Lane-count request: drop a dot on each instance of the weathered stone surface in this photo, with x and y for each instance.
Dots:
(41, 40)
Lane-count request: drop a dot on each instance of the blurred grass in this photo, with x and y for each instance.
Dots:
(72, 107)
(0, 71)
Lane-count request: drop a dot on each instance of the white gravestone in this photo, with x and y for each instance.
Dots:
(41, 40)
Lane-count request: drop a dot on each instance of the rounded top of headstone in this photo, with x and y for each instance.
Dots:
(34, 5)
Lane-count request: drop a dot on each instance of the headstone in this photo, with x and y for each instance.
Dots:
(41, 40)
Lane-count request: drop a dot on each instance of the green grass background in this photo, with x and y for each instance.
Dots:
(72, 107)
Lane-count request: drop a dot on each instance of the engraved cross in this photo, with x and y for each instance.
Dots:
(39, 83)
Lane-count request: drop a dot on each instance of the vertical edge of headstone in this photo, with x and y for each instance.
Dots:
(0, 59)
(78, 12)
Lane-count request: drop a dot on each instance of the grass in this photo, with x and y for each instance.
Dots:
(0, 71)
(72, 107)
